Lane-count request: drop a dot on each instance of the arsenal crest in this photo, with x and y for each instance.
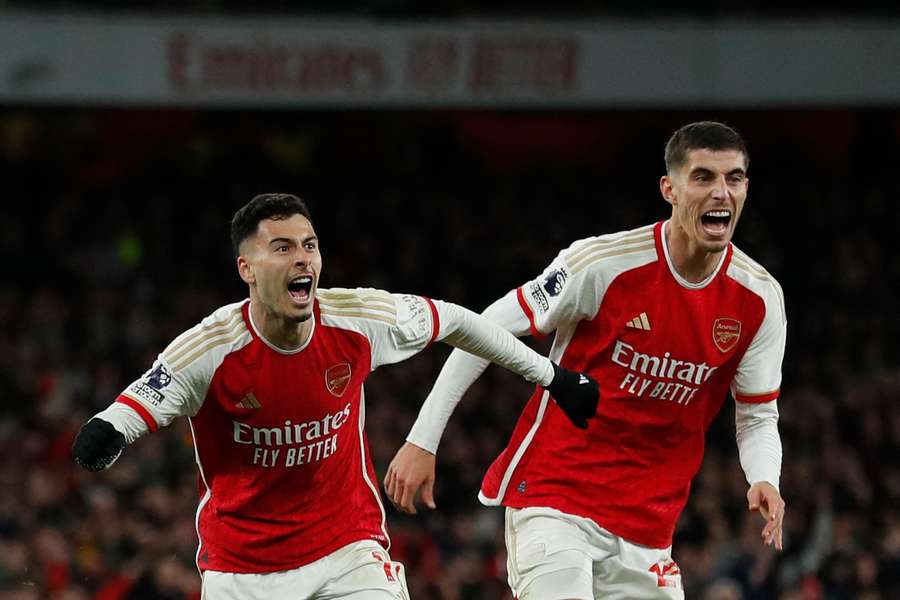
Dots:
(337, 378)
(726, 333)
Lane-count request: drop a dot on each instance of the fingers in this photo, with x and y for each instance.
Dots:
(411, 470)
(407, 498)
(401, 494)
(753, 498)
(772, 533)
(390, 482)
(765, 498)
(397, 492)
(428, 494)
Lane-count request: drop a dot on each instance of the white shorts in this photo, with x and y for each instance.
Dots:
(359, 571)
(556, 556)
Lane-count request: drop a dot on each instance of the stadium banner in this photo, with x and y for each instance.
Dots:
(296, 63)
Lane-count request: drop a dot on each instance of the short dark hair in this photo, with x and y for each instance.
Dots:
(708, 135)
(264, 206)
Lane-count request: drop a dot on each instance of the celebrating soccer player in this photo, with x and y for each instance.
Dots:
(273, 388)
(667, 318)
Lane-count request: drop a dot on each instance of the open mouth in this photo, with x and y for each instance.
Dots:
(716, 222)
(299, 288)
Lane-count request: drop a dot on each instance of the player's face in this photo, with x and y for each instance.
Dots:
(282, 263)
(707, 195)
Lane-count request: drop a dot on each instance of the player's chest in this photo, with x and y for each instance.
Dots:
(667, 342)
(688, 325)
(652, 312)
(265, 386)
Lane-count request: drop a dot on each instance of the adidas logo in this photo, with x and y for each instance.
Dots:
(639, 322)
(249, 401)
(582, 379)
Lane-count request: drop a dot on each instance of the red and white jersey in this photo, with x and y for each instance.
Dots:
(285, 473)
(665, 352)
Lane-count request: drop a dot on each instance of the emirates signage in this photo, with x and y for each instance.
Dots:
(279, 63)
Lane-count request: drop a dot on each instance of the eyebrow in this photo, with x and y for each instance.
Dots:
(735, 171)
(291, 241)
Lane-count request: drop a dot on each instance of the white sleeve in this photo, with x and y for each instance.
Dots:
(756, 387)
(462, 328)
(567, 291)
(758, 376)
(419, 321)
(403, 330)
(561, 293)
(759, 445)
(125, 420)
(152, 401)
(459, 373)
(162, 394)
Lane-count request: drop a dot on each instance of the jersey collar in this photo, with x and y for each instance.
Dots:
(663, 249)
(261, 337)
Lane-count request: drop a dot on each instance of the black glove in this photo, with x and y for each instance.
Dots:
(575, 393)
(97, 445)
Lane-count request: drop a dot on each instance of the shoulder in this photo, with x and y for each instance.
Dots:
(366, 304)
(625, 248)
(222, 331)
(758, 280)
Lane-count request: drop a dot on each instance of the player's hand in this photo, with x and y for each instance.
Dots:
(411, 470)
(576, 394)
(765, 498)
(97, 445)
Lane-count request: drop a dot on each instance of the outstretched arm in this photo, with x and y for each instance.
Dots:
(174, 386)
(577, 395)
(412, 471)
(458, 374)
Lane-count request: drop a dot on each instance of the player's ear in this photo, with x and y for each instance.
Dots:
(245, 270)
(667, 189)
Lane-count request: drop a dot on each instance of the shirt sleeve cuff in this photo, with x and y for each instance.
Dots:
(528, 313)
(435, 320)
(140, 410)
(756, 398)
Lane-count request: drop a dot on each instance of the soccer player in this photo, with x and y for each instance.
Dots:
(273, 389)
(667, 318)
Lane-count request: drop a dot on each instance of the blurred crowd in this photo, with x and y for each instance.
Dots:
(114, 233)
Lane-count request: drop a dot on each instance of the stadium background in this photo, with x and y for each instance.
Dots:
(114, 234)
